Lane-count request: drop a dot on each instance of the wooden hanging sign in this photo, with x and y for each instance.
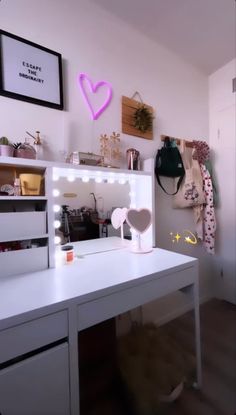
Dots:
(129, 107)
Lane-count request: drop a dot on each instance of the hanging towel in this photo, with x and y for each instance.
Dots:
(204, 215)
(209, 167)
(202, 154)
(209, 220)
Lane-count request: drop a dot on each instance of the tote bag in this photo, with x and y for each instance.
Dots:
(191, 189)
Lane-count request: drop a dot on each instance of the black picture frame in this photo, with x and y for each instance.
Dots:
(30, 72)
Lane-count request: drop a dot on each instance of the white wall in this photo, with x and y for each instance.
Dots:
(222, 117)
(95, 42)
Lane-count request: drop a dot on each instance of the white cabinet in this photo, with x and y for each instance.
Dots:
(24, 239)
(34, 367)
(38, 385)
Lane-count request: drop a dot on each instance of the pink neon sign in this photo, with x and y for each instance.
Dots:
(82, 79)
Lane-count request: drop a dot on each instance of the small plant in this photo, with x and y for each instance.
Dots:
(17, 145)
(143, 119)
(4, 141)
(24, 150)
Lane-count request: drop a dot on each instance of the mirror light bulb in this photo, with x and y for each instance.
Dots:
(55, 192)
(57, 240)
(56, 208)
(57, 224)
(85, 179)
(98, 180)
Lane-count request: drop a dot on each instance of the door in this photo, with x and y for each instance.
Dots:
(37, 386)
(225, 165)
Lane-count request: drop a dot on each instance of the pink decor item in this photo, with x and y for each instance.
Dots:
(139, 219)
(82, 78)
(118, 218)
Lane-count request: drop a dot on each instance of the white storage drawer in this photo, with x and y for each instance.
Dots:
(22, 261)
(32, 335)
(15, 225)
(38, 385)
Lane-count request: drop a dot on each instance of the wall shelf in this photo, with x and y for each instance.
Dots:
(13, 198)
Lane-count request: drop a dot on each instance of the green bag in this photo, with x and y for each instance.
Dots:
(169, 164)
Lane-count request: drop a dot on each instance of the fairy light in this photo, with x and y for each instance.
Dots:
(56, 208)
(98, 180)
(57, 224)
(57, 240)
(55, 177)
(56, 192)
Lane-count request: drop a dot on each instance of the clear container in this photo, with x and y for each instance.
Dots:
(17, 187)
(39, 151)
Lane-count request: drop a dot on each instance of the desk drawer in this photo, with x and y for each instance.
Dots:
(23, 225)
(119, 302)
(23, 261)
(32, 335)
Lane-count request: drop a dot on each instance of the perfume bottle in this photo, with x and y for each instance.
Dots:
(38, 146)
(17, 187)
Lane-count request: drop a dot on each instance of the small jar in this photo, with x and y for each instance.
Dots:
(68, 253)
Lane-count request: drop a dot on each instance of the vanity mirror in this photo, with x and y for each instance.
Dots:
(89, 194)
(84, 201)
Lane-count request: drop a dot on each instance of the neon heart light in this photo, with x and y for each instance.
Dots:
(82, 78)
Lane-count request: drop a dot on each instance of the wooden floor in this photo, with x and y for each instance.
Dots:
(218, 336)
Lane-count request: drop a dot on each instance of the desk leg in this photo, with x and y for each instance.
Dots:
(195, 292)
(73, 361)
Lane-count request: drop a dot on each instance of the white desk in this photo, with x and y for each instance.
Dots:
(89, 291)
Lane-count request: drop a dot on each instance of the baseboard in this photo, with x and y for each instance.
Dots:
(179, 311)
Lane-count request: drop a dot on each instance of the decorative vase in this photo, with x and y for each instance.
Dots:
(25, 151)
(6, 150)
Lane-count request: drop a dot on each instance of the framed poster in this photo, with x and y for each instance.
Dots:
(30, 72)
